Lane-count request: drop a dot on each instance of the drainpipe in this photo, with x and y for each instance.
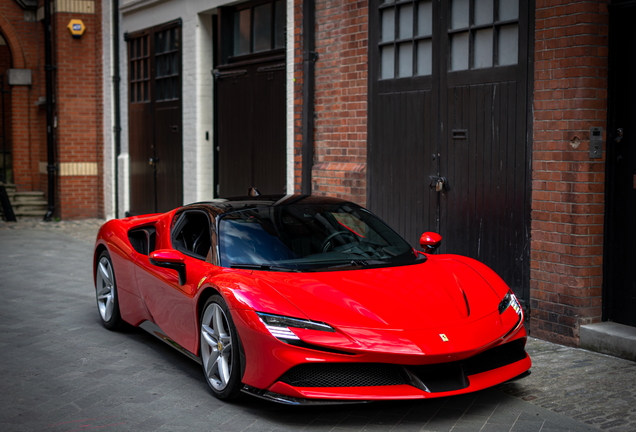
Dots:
(309, 78)
(116, 100)
(50, 137)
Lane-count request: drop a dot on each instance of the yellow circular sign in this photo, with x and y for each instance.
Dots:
(76, 27)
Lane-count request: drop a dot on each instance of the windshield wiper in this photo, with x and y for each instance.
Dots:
(354, 263)
(263, 267)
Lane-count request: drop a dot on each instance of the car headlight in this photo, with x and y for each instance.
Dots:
(510, 300)
(279, 326)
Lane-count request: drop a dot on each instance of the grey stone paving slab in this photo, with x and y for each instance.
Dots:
(60, 370)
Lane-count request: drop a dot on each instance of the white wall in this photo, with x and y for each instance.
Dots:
(108, 135)
(197, 88)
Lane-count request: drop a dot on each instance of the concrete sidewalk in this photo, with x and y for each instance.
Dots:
(60, 370)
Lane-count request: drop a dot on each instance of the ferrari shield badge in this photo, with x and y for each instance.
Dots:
(444, 337)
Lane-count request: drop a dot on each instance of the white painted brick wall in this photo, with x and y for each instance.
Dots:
(197, 88)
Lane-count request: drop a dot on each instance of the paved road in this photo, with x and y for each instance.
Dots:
(61, 371)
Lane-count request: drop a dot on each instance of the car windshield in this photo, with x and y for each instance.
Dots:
(310, 237)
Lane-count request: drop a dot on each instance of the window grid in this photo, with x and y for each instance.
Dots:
(483, 34)
(406, 37)
(259, 28)
(167, 64)
(139, 70)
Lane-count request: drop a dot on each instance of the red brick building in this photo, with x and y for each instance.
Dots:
(77, 85)
(572, 258)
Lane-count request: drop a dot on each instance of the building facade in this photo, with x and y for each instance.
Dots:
(497, 124)
(501, 124)
(73, 135)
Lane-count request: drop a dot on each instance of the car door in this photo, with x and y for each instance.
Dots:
(172, 305)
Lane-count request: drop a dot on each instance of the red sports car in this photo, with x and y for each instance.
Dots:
(306, 299)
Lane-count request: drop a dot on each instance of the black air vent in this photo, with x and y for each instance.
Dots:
(344, 375)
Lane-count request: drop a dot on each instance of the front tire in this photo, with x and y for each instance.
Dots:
(220, 350)
(106, 293)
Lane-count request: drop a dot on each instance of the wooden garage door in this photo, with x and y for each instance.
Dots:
(448, 126)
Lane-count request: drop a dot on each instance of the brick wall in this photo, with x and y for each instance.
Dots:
(78, 110)
(570, 96)
(339, 167)
(79, 115)
(24, 37)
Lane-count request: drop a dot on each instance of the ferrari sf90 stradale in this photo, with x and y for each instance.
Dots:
(307, 299)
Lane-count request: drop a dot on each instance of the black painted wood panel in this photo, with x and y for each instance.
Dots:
(619, 281)
(235, 134)
(470, 127)
(402, 159)
(251, 128)
(482, 210)
(169, 155)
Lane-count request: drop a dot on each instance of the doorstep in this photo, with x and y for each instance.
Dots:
(610, 338)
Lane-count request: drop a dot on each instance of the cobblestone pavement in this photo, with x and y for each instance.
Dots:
(85, 229)
(60, 370)
(594, 388)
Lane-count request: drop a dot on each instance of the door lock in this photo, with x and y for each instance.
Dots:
(153, 161)
(439, 183)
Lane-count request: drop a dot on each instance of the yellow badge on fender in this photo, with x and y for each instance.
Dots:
(443, 336)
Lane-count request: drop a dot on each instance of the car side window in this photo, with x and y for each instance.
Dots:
(191, 235)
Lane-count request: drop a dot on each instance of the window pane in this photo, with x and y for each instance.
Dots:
(405, 57)
(279, 24)
(159, 37)
(424, 57)
(175, 39)
(459, 51)
(159, 70)
(483, 12)
(483, 49)
(508, 10)
(388, 62)
(459, 14)
(406, 21)
(242, 32)
(175, 63)
(425, 18)
(159, 90)
(388, 25)
(508, 45)
(262, 27)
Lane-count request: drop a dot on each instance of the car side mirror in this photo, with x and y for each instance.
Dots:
(170, 259)
(430, 241)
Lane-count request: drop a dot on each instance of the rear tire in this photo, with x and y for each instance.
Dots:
(219, 345)
(106, 293)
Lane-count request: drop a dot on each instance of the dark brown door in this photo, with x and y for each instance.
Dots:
(619, 284)
(250, 94)
(155, 136)
(448, 124)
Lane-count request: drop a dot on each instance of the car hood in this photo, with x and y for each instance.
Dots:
(440, 291)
